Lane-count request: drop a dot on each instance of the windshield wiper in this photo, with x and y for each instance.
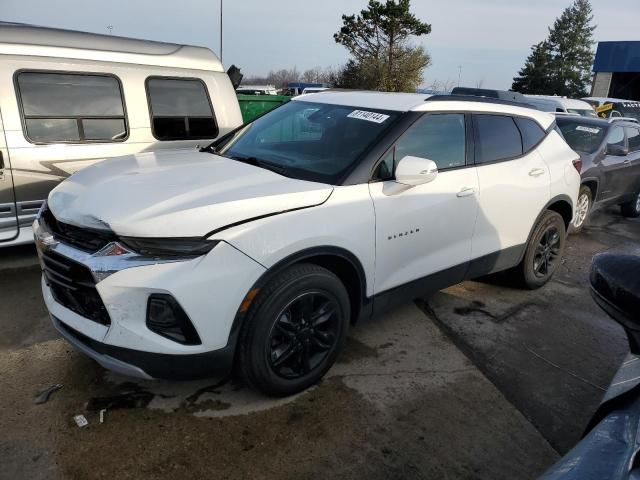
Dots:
(260, 163)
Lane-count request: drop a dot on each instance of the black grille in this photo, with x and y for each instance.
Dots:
(87, 239)
(73, 286)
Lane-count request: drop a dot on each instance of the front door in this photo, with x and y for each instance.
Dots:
(424, 232)
(8, 217)
(616, 178)
(633, 159)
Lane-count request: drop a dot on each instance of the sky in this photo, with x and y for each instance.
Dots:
(488, 39)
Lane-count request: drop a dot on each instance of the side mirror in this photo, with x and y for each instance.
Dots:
(415, 171)
(617, 150)
(615, 287)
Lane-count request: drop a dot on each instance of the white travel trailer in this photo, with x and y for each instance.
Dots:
(70, 99)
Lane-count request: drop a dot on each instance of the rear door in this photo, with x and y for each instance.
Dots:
(8, 218)
(514, 187)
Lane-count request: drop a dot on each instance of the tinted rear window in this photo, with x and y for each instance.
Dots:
(582, 137)
(498, 138)
(180, 109)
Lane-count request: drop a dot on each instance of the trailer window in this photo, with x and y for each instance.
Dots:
(180, 109)
(71, 108)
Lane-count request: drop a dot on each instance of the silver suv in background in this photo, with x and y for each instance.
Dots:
(70, 99)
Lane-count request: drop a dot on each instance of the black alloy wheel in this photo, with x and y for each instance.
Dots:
(547, 252)
(303, 334)
(294, 330)
(543, 253)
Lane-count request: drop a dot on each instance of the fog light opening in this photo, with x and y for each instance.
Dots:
(166, 317)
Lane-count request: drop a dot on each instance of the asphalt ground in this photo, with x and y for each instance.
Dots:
(479, 381)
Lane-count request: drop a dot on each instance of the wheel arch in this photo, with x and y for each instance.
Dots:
(593, 184)
(343, 263)
(561, 204)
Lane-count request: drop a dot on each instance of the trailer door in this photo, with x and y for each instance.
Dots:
(8, 217)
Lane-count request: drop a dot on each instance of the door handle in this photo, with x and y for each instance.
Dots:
(466, 191)
(536, 172)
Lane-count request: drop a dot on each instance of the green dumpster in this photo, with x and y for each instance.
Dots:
(253, 106)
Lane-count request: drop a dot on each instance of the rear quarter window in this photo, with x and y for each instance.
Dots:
(532, 133)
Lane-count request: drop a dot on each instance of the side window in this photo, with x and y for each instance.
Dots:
(438, 137)
(532, 133)
(633, 135)
(180, 109)
(498, 138)
(616, 137)
(71, 108)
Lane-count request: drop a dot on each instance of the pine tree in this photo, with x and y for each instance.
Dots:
(535, 76)
(561, 65)
(378, 40)
(571, 41)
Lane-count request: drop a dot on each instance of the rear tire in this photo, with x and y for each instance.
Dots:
(295, 328)
(631, 209)
(544, 252)
(583, 209)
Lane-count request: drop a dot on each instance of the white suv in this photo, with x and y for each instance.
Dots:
(261, 250)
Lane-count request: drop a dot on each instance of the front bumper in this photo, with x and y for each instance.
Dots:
(145, 365)
(209, 289)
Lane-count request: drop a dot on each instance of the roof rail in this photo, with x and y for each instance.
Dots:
(471, 98)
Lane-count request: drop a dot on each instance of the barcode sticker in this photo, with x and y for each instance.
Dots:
(368, 116)
(595, 131)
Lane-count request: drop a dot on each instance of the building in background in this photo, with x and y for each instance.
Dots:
(617, 70)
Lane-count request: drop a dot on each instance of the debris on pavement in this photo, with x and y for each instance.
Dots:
(81, 420)
(102, 412)
(133, 399)
(43, 396)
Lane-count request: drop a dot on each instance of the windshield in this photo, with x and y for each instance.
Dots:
(582, 137)
(629, 109)
(587, 112)
(310, 141)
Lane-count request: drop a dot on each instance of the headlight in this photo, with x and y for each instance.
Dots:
(169, 247)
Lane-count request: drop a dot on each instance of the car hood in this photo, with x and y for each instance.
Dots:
(182, 193)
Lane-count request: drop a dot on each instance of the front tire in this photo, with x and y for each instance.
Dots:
(583, 208)
(544, 251)
(295, 328)
(632, 208)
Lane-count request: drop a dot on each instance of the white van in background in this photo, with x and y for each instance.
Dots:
(555, 104)
(70, 99)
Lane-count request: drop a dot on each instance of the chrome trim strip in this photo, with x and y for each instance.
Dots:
(101, 264)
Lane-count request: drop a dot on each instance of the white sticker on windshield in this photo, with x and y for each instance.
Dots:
(595, 131)
(368, 116)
